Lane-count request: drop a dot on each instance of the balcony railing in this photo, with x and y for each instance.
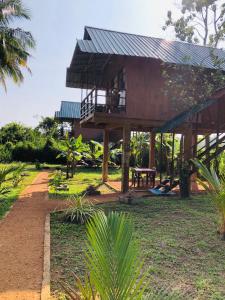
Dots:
(100, 101)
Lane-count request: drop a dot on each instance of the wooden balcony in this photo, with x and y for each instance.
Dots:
(113, 102)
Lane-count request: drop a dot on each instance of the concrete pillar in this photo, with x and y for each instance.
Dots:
(126, 159)
(105, 163)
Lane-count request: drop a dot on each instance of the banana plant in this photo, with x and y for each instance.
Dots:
(215, 186)
(73, 150)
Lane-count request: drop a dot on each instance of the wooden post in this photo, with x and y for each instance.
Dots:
(184, 173)
(194, 154)
(105, 155)
(152, 150)
(188, 143)
(126, 159)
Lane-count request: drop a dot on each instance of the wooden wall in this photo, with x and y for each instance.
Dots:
(145, 97)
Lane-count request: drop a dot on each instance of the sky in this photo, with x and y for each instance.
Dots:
(56, 25)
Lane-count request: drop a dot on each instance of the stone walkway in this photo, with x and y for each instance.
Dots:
(21, 242)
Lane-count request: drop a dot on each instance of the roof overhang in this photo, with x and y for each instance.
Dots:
(86, 68)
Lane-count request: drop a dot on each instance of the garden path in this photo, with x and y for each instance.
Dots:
(22, 240)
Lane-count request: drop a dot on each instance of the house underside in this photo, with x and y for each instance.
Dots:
(122, 76)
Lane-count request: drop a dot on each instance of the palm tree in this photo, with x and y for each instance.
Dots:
(216, 187)
(14, 42)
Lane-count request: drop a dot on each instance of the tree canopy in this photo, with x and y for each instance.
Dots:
(200, 22)
(15, 43)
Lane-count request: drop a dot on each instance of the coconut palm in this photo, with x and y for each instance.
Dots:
(216, 187)
(14, 42)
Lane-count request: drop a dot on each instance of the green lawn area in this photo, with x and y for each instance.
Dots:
(178, 242)
(7, 200)
(83, 178)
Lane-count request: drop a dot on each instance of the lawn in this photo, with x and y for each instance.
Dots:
(83, 178)
(178, 242)
(7, 200)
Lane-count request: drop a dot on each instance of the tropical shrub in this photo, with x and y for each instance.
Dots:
(5, 154)
(216, 188)
(57, 180)
(17, 175)
(112, 260)
(79, 210)
(6, 177)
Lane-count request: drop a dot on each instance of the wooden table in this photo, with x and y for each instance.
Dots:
(137, 176)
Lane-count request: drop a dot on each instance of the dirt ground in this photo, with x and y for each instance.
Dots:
(21, 242)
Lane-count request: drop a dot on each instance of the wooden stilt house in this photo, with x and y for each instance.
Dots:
(123, 75)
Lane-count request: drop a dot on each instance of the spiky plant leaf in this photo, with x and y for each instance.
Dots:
(112, 258)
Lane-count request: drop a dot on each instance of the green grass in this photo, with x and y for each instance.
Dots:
(83, 178)
(177, 239)
(7, 200)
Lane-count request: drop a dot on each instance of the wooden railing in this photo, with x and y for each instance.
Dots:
(99, 101)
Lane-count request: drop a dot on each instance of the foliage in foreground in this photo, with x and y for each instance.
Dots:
(79, 210)
(216, 187)
(115, 271)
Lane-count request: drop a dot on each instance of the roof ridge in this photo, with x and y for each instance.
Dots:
(70, 101)
(147, 36)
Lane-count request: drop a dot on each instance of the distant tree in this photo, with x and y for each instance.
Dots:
(14, 133)
(200, 22)
(49, 127)
(14, 42)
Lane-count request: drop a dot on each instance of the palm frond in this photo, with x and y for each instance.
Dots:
(112, 257)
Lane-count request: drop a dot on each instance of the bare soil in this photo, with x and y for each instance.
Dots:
(21, 242)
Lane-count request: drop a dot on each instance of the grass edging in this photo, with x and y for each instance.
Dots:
(20, 194)
(45, 287)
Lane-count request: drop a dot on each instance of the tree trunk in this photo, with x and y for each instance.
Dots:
(67, 170)
(222, 228)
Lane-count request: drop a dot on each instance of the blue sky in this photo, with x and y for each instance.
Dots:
(56, 25)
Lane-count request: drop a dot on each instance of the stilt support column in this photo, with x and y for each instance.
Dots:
(126, 159)
(152, 151)
(105, 155)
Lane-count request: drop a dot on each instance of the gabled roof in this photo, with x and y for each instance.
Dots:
(69, 110)
(93, 52)
(102, 41)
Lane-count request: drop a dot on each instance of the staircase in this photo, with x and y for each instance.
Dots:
(217, 146)
(201, 151)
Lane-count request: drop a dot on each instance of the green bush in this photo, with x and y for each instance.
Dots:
(5, 154)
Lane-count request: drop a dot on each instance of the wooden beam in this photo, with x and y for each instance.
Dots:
(126, 159)
(105, 156)
(152, 150)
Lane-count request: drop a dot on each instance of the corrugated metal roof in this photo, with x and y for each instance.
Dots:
(102, 41)
(68, 110)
